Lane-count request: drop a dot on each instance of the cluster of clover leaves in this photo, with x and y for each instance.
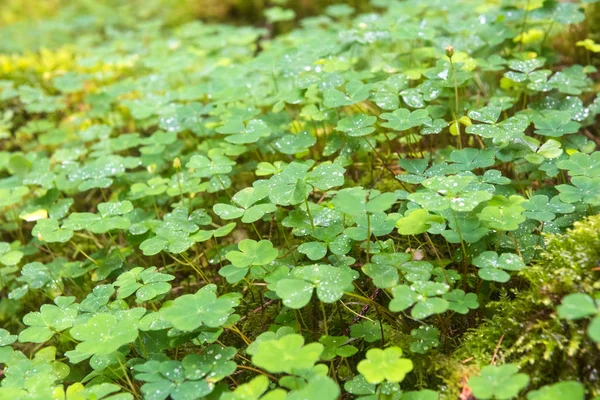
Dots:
(197, 211)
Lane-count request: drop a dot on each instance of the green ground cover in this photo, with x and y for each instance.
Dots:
(397, 200)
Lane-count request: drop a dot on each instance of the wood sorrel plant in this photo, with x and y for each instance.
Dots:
(354, 209)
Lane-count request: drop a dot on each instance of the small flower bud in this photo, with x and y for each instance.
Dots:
(176, 163)
(449, 51)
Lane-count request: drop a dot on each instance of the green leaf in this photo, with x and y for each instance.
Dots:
(47, 230)
(295, 293)
(577, 306)
(104, 333)
(50, 319)
(226, 211)
(191, 311)
(252, 253)
(357, 125)
(423, 295)
(326, 176)
(330, 283)
(502, 213)
(567, 390)
(313, 250)
(336, 346)
(278, 14)
(205, 167)
(491, 265)
(402, 119)
(499, 382)
(424, 339)
(370, 331)
(582, 189)
(254, 390)
(287, 354)
(6, 338)
(384, 365)
(540, 208)
(554, 123)
(580, 164)
(417, 221)
(321, 387)
(593, 329)
(460, 302)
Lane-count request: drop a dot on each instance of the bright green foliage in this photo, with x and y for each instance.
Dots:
(498, 382)
(568, 390)
(385, 365)
(336, 346)
(104, 333)
(50, 319)
(425, 296)
(493, 267)
(287, 354)
(145, 283)
(191, 378)
(374, 199)
(577, 306)
(191, 311)
(329, 282)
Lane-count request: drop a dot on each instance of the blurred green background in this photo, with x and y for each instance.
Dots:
(32, 24)
(172, 11)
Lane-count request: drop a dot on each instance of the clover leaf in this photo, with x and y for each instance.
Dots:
(580, 164)
(540, 208)
(110, 217)
(403, 119)
(423, 295)
(579, 305)
(357, 125)
(104, 333)
(146, 283)
(336, 346)
(582, 188)
(313, 250)
(191, 311)
(8, 256)
(499, 382)
(357, 201)
(6, 338)
(384, 365)
(48, 230)
(492, 267)
(505, 214)
(370, 331)
(170, 379)
(287, 354)
(470, 227)
(524, 68)
(244, 133)
(385, 267)
(355, 91)
(291, 186)
(256, 389)
(51, 319)
(566, 390)
(449, 192)
(278, 14)
(424, 339)
(205, 167)
(417, 221)
(330, 283)
(248, 210)
(252, 253)
(461, 302)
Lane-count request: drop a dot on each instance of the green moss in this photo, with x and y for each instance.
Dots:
(523, 324)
